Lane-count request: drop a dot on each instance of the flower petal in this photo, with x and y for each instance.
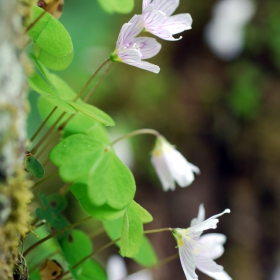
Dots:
(187, 260)
(213, 245)
(201, 213)
(131, 29)
(148, 66)
(178, 23)
(163, 172)
(207, 264)
(145, 4)
(149, 47)
(130, 56)
(207, 224)
(153, 18)
(166, 6)
(212, 269)
(179, 168)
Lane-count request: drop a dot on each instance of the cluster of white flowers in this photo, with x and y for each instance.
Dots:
(195, 251)
(155, 18)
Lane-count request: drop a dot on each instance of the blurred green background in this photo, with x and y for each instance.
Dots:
(224, 116)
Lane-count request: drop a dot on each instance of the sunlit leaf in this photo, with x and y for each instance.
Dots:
(146, 255)
(109, 179)
(103, 213)
(111, 182)
(132, 232)
(53, 45)
(145, 216)
(76, 155)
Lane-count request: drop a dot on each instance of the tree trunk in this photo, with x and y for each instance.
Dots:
(14, 186)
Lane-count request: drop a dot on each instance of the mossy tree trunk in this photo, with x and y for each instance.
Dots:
(14, 187)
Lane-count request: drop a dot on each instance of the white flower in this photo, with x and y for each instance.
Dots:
(200, 252)
(132, 50)
(158, 20)
(171, 166)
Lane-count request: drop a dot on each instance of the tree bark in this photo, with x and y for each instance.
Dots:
(14, 186)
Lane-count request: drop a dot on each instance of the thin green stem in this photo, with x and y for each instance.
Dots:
(44, 148)
(34, 150)
(43, 124)
(96, 232)
(157, 230)
(91, 78)
(64, 189)
(98, 82)
(137, 132)
(32, 247)
(44, 180)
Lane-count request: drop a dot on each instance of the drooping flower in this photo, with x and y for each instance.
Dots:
(198, 251)
(171, 166)
(158, 20)
(132, 50)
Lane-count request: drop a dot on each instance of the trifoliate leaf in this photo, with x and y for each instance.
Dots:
(145, 216)
(57, 203)
(54, 204)
(75, 156)
(132, 232)
(93, 112)
(53, 45)
(34, 167)
(109, 180)
(103, 213)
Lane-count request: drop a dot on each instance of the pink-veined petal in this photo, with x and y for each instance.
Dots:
(130, 56)
(145, 4)
(164, 34)
(153, 18)
(149, 47)
(120, 37)
(212, 269)
(166, 6)
(213, 245)
(148, 66)
(178, 23)
(163, 172)
(132, 29)
(187, 260)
